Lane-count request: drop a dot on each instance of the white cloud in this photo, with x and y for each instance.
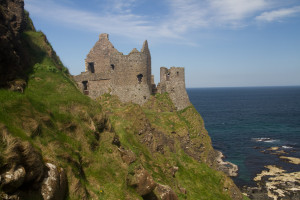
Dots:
(232, 10)
(278, 14)
(118, 17)
(121, 6)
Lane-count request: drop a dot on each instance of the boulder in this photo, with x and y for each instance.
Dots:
(54, 184)
(13, 179)
(127, 156)
(165, 192)
(142, 181)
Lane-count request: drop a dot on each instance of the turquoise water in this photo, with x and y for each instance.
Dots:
(243, 122)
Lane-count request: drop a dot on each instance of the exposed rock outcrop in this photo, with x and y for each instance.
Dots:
(24, 175)
(276, 183)
(142, 181)
(13, 59)
(228, 168)
(165, 192)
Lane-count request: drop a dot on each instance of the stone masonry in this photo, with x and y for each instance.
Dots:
(172, 81)
(128, 76)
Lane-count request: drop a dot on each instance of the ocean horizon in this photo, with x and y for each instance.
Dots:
(244, 122)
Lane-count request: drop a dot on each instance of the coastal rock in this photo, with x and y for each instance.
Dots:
(293, 160)
(165, 192)
(227, 167)
(142, 181)
(278, 184)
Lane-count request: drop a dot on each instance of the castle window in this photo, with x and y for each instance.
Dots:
(168, 76)
(84, 83)
(177, 73)
(139, 77)
(91, 67)
(112, 66)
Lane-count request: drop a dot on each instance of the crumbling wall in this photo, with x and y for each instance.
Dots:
(108, 70)
(172, 81)
(130, 79)
(100, 55)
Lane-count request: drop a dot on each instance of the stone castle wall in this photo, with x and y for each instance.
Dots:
(128, 76)
(173, 81)
(108, 70)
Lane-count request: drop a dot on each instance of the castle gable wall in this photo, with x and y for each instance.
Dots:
(99, 55)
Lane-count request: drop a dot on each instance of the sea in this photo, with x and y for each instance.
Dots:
(244, 122)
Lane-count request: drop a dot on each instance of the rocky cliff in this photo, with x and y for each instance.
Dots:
(12, 24)
(56, 143)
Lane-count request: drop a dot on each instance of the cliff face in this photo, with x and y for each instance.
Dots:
(56, 143)
(12, 20)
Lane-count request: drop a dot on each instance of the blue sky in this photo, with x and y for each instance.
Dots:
(221, 43)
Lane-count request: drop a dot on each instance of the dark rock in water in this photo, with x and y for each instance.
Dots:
(275, 183)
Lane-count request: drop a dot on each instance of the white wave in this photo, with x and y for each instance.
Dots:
(270, 141)
(264, 139)
(286, 147)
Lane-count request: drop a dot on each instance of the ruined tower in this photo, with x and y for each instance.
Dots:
(173, 81)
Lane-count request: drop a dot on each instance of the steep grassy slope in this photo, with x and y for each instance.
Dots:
(103, 144)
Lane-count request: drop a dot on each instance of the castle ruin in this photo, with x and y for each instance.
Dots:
(129, 76)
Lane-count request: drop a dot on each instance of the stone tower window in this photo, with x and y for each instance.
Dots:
(139, 77)
(91, 67)
(177, 73)
(168, 76)
(85, 87)
(112, 66)
(84, 83)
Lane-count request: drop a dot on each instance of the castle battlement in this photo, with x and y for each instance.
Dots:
(128, 76)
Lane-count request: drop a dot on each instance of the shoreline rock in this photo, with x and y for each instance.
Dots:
(228, 168)
(275, 182)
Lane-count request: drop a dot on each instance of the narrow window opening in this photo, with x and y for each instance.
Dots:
(168, 76)
(91, 67)
(84, 83)
(177, 73)
(112, 66)
(139, 77)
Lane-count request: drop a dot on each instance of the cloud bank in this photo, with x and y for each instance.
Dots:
(118, 16)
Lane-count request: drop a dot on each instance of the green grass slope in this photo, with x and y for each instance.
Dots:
(76, 133)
